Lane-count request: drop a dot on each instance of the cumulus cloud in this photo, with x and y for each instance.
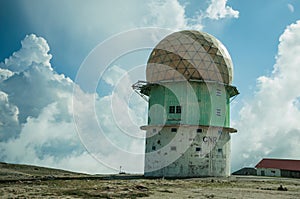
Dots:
(171, 14)
(36, 118)
(269, 123)
(167, 14)
(219, 10)
(109, 126)
(9, 121)
(34, 50)
(36, 121)
(5, 74)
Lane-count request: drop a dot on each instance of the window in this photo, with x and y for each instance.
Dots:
(173, 129)
(272, 171)
(153, 148)
(171, 109)
(199, 130)
(198, 149)
(158, 141)
(178, 109)
(173, 148)
(218, 112)
(218, 92)
(220, 150)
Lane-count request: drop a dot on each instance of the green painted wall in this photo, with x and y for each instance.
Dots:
(201, 104)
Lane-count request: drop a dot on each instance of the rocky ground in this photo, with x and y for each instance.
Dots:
(21, 181)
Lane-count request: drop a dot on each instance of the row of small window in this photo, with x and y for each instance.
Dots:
(177, 109)
(198, 149)
(173, 148)
(174, 109)
(174, 130)
(198, 130)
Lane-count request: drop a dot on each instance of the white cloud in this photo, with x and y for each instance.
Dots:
(5, 74)
(171, 14)
(166, 14)
(36, 121)
(36, 116)
(113, 135)
(34, 50)
(290, 7)
(113, 74)
(269, 123)
(9, 123)
(219, 10)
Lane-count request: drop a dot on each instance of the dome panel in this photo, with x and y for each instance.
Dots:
(189, 55)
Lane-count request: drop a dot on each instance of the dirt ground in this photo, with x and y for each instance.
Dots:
(36, 182)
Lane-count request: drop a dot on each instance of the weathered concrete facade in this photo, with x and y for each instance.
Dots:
(194, 142)
(192, 154)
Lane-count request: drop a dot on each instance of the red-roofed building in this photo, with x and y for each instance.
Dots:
(278, 167)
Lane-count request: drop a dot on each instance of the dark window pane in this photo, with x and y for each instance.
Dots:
(173, 129)
(178, 109)
(198, 148)
(171, 109)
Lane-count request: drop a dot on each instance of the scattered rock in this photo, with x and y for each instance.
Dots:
(141, 187)
(281, 188)
(165, 190)
(49, 177)
(266, 188)
(210, 196)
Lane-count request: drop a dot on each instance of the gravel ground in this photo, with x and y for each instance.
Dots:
(21, 181)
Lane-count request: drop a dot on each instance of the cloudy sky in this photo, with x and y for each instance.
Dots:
(60, 59)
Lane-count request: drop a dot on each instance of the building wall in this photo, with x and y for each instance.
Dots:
(245, 171)
(201, 104)
(268, 172)
(188, 152)
(290, 174)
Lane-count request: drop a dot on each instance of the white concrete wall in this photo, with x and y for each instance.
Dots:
(174, 154)
(268, 172)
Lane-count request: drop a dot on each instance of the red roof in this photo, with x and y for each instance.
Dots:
(283, 164)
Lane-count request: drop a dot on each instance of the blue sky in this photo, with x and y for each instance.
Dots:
(251, 31)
